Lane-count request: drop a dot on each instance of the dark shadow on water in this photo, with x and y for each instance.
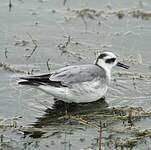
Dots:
(60, 109)
(56, 115)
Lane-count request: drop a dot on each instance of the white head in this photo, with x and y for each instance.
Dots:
(107, 60)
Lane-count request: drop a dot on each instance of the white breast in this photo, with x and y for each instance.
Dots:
(79, 92)
(87, 91)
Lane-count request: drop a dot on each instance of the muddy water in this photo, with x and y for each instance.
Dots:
(40, 32)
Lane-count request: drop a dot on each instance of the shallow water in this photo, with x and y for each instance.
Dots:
(50, 24)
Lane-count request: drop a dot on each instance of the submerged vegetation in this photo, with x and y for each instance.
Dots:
(10, 68)
(116, 122)
(93, 13)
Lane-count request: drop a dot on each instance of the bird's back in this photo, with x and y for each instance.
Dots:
(79, 73)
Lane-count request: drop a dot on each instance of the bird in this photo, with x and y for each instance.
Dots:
(77, 83)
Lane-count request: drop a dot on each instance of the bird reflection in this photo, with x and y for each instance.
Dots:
(60, 108)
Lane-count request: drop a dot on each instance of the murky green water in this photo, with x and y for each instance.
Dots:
(88, 27)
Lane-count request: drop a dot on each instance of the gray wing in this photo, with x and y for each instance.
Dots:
(76, 74)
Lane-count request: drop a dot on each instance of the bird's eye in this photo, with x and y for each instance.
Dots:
(111, 60)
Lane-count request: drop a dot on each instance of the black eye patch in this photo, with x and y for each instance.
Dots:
(111, 60)
(102, 56)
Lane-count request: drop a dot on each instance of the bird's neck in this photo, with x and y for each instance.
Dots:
(108, 73)
(107, 69)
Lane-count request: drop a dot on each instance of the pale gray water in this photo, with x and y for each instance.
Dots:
(45, 21)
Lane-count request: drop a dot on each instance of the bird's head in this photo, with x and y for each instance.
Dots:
(108, 60)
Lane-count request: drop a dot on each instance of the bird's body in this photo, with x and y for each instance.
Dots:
(84, 83)
(79, 83)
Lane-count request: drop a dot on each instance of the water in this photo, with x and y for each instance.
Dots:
(49, 25)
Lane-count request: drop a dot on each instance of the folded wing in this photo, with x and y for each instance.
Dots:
(66, 76)
(76, 74)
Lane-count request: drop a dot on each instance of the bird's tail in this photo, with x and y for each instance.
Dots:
(33, 80)
(39, 80)
(26, 82)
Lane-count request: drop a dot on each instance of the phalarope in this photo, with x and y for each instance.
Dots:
(78, 83)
